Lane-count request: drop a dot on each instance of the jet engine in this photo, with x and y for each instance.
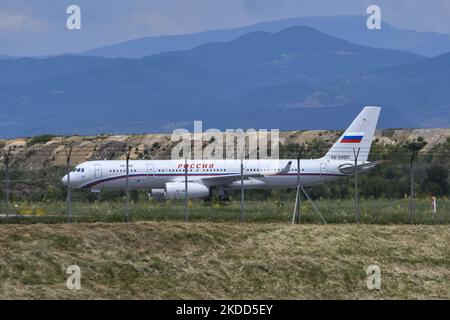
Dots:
(175, 190)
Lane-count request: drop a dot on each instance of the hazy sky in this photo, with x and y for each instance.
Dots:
(38, 27)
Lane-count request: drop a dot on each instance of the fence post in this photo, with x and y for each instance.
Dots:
(7, 185)
(68, 153)
(298, 202)
(356, 154)
(411, 198)
(127, 206)
(186, 213)
(242, 190)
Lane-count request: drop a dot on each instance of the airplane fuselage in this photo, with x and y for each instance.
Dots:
(148, 174)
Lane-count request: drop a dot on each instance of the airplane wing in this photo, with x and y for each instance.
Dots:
(225, 180)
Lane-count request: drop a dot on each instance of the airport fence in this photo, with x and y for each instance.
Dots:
(371, 211)
(34, 193)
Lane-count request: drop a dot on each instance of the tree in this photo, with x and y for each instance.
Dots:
(436, 182)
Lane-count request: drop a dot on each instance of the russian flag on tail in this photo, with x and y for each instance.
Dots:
(352, 137)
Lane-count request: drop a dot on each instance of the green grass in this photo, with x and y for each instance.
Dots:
(372, 211)
(201, 260)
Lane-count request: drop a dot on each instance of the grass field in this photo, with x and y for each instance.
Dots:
(372, 211)
(223, 260)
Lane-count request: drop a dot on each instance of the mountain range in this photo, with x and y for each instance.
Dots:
(295, 78)
(350, 28)
(2, 57)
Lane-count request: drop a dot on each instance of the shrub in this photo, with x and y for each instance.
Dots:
(40, 139)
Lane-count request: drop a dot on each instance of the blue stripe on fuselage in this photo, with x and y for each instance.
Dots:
(102, 180)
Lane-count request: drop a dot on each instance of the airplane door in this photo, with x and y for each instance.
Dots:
(323, 168)
(98, 171)
(150, 170)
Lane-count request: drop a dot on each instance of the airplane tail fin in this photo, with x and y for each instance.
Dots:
(358, 135)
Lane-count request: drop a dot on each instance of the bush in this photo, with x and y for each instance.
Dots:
(40, 139)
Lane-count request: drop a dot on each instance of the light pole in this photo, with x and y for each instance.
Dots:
(356, 154)
(414, 147)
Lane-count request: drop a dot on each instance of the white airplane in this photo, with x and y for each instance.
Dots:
(166, 178)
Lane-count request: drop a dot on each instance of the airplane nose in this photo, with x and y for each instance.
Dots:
(64, 180)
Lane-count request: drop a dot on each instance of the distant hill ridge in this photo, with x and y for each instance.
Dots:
(296, 78)
(351, 28)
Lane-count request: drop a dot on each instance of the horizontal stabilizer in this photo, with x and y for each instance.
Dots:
(349, 168)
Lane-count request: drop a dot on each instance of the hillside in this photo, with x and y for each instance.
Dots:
(412, 94)
(159, 92)
(412, 88)
(175, 260)
(40, 152)
(350, 28)
(3, 57)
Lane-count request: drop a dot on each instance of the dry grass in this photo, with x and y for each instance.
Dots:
(157, 260)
